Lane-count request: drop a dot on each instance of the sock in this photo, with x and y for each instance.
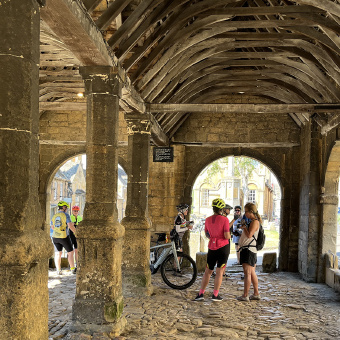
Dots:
(73, 268)
(201, 291)
(216, 292)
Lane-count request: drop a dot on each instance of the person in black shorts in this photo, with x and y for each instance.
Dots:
(248, 252)
(60, 221)
(217, 230)
(76, 219)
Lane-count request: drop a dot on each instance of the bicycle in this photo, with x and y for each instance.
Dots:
(162, 238)
(178, 270)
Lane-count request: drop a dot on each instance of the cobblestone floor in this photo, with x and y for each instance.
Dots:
(290, 309)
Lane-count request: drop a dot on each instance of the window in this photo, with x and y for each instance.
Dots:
(205, 197)
(251, 196)
(61, 190)
(236, 190)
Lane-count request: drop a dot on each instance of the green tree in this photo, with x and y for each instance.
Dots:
(216, 166)
(244, 167)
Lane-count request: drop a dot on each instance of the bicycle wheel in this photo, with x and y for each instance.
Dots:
(179, 280)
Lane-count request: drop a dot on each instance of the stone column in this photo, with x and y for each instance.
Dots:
(98, 303)
(24, 246)
(136, 270)
(310, 208)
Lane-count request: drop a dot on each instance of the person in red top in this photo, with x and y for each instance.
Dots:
(217, 230)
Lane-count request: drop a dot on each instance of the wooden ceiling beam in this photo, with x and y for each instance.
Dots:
(111, 13)
(244, 108)
(71, 23)
(263, 10)
(326, 5)
(91, 4)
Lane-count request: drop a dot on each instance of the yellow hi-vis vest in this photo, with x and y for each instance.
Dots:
(76, 222)
(60, 224)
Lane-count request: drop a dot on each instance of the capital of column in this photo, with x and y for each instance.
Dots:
(138, 123)
(329, 199)
(101, 80)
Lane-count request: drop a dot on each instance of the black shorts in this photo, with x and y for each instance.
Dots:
(73, 240)
(247, 256)
(219, 256)
(61, 243)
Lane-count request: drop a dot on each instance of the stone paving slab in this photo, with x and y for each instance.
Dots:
(290, 309)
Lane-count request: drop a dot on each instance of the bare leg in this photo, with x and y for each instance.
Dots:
(57, 260)
(237, 253)
(76, 255)
(70, 259)
(206, 278)
(247, 269)
(218, 278)
(255, 281)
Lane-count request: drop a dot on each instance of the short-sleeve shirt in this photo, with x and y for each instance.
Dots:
(180, 225)
(216, 226)
(60, 220)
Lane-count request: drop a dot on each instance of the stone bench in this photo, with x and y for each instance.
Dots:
(332, 271)
(269, 262)
(201, 261)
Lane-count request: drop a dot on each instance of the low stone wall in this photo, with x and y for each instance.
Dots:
(332, 271)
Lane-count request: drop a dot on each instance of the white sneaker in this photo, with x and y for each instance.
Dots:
(255, 297)
(243, 298)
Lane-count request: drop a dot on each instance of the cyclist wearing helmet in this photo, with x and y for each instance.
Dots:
(75, 218)
(217, 230)
(181, 225)
(60, 221)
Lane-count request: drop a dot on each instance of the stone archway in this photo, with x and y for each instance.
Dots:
(329, 207)
(47, 174)
(273, 165)
(277, 163)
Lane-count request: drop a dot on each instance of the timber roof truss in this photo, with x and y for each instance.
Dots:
(182, 52)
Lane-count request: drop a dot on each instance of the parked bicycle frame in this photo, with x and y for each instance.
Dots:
(178, 270)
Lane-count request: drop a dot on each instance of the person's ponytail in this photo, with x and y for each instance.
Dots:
(258, 217)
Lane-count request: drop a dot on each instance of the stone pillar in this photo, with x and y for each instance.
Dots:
(98, 303)
(310, 208)
(136, 270)
(24, 246)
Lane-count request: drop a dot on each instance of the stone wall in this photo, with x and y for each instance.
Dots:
(170, 183)
(62, 136)
(166, 190)
(238, 128)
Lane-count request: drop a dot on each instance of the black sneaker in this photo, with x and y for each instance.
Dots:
(217, 298)
(199, 297)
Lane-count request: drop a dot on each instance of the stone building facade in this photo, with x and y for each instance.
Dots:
(153, 74)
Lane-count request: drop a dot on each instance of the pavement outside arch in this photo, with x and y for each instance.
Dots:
(290, 309)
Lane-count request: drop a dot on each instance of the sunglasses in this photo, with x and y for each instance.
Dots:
(237, 210)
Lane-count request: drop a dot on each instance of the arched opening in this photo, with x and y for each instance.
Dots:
(68, 183)
(330, 225)
(237, 180)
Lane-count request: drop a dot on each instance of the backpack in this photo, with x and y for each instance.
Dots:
(261, 238)
(60, 224)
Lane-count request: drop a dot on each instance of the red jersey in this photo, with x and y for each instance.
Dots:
(216, 226)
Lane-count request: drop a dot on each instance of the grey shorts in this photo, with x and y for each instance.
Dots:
(247, 256)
